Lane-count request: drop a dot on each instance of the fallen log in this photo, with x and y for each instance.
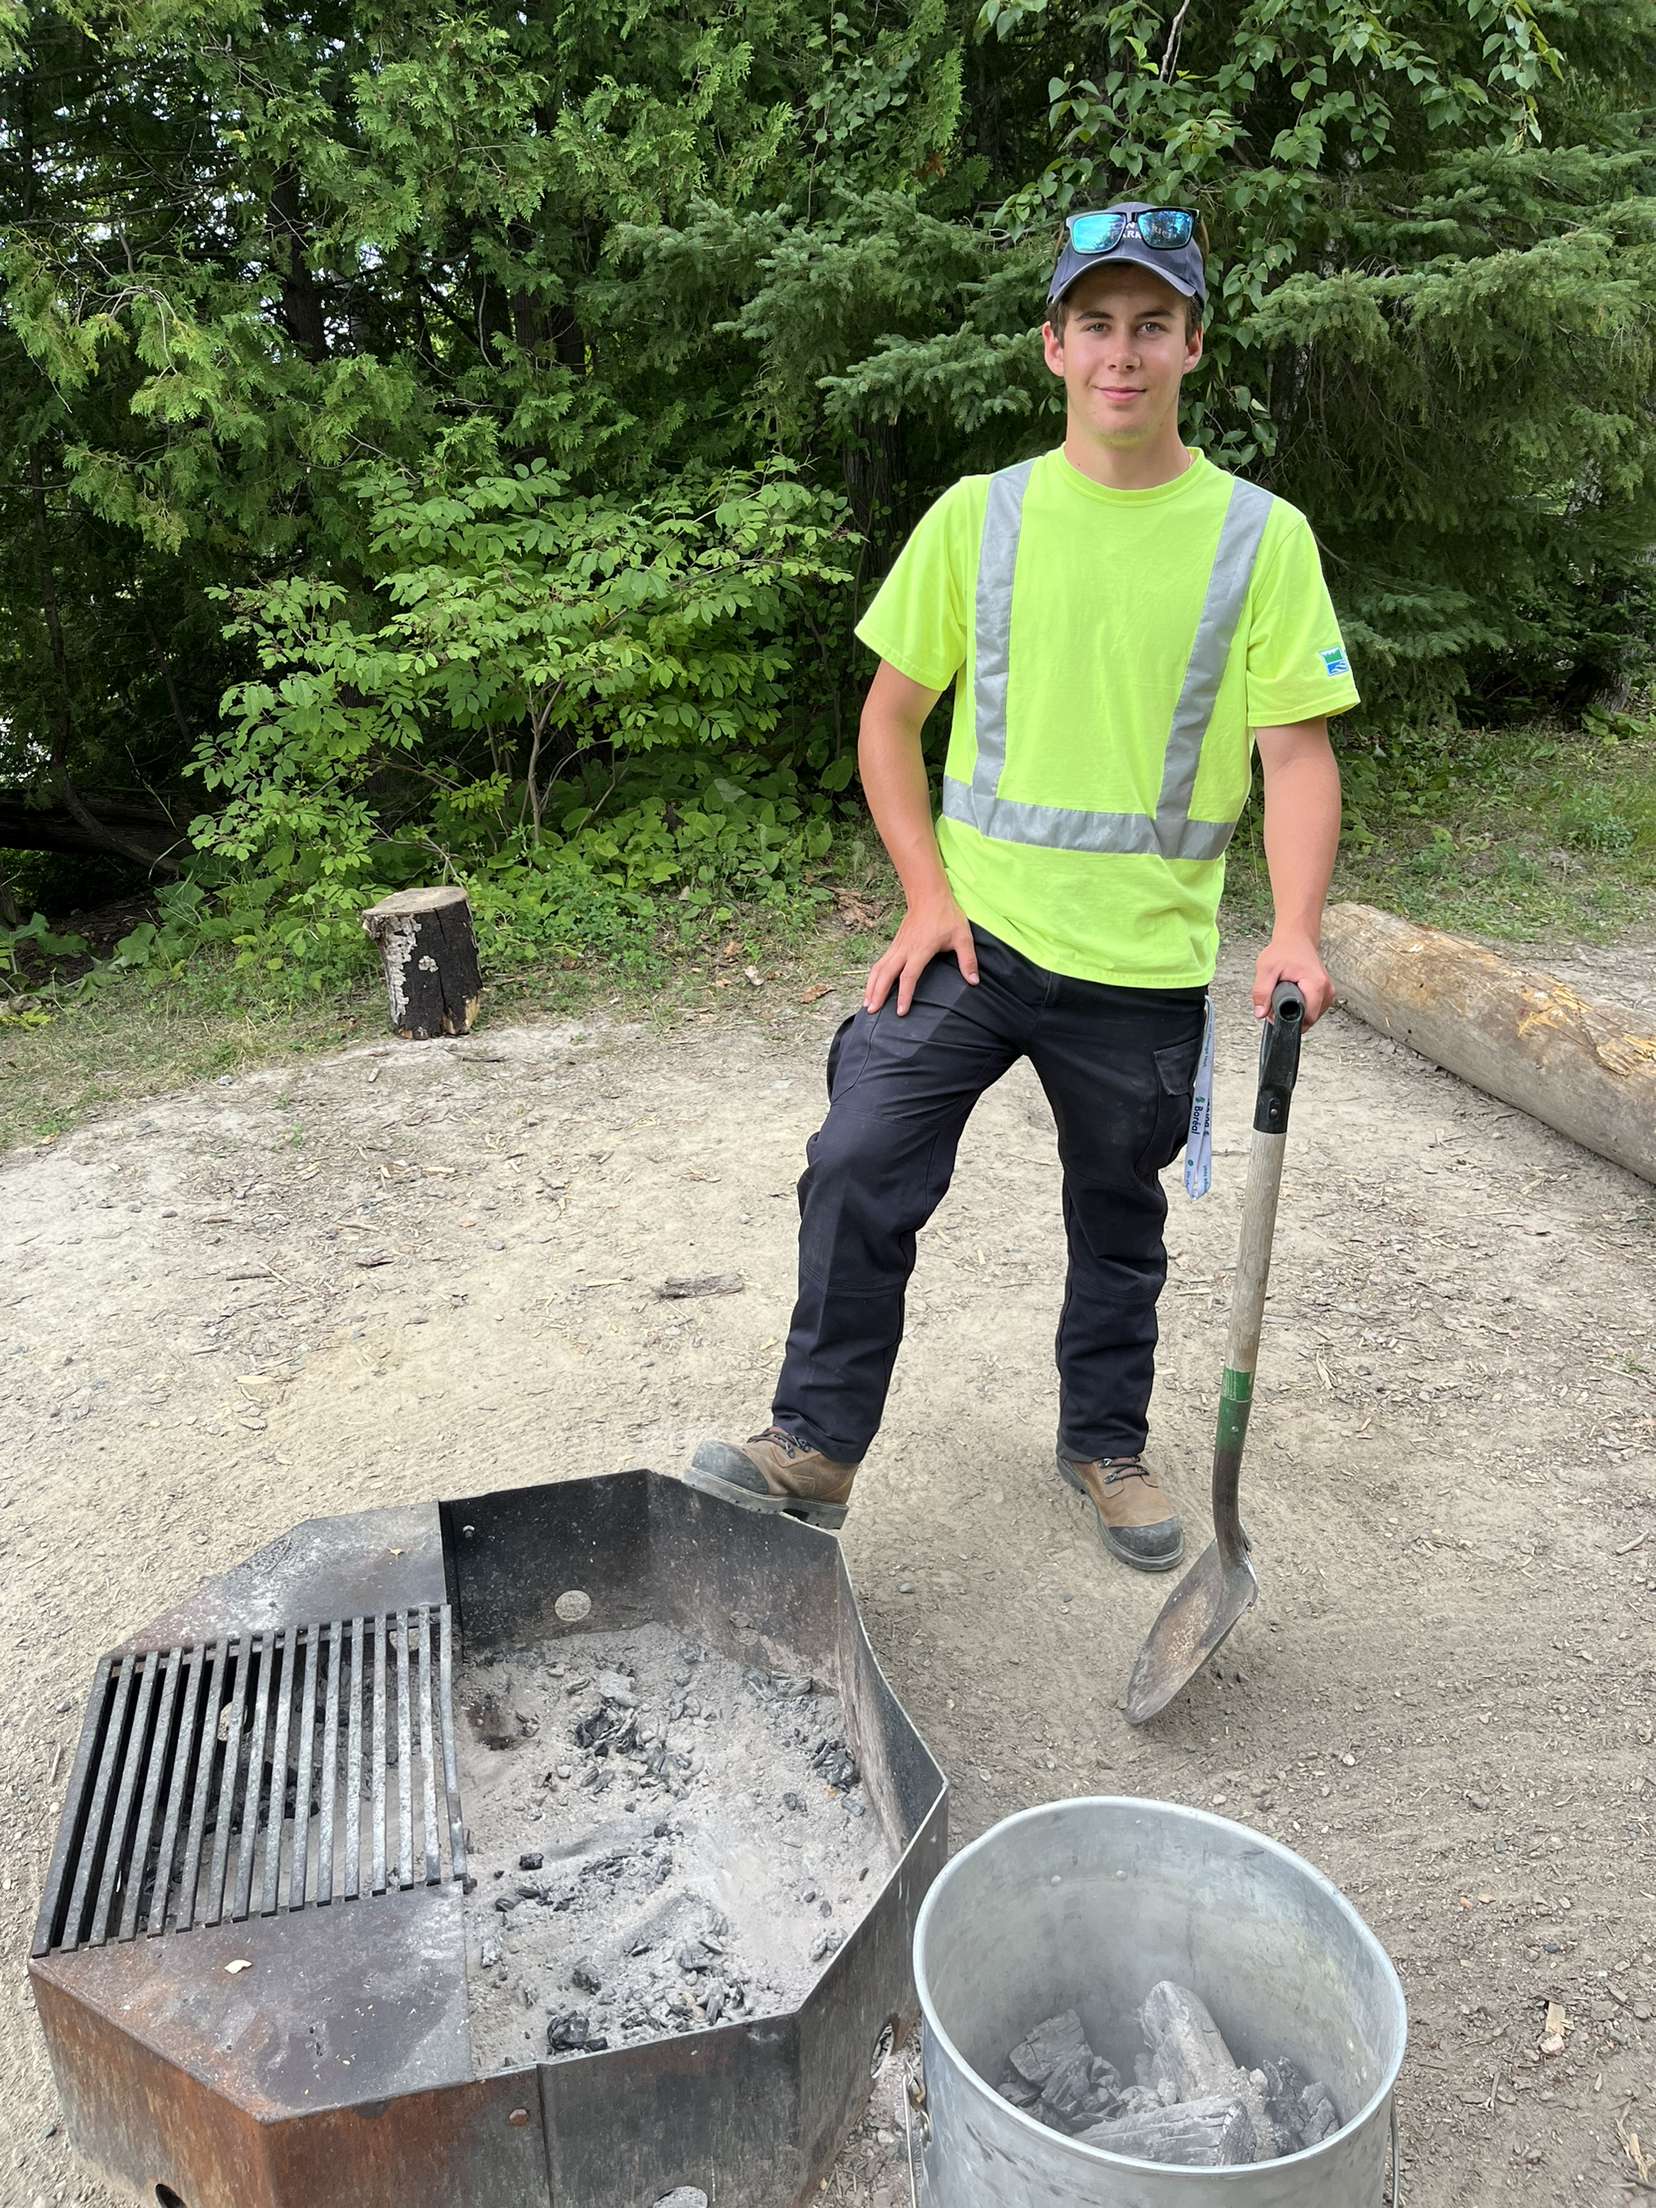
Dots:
(429, 952)
(1584, 1068)
(125, 826)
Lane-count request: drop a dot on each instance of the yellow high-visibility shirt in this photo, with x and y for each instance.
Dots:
(1112, 653)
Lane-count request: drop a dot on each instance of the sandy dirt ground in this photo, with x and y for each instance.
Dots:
(418, 1270)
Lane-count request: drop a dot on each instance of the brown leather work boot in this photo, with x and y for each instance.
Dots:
(1135, 1517)
(775, 1470)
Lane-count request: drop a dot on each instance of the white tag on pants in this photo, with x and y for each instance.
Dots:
(1199, 1143)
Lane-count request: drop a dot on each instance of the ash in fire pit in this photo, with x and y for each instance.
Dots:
(1189, 2101)
(659, 1839)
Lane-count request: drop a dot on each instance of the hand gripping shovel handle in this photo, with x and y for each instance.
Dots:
(1279, 1049)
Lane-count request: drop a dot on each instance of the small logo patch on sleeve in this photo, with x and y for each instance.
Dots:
(1335, 663)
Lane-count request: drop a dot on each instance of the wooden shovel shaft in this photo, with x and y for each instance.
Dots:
(1279, 1049)
(1253, 1272)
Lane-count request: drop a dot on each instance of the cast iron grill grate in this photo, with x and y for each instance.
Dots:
(260, 1772)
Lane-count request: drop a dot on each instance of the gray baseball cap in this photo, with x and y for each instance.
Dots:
(1180, 266)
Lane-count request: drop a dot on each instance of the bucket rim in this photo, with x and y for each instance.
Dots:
(1101, 2157)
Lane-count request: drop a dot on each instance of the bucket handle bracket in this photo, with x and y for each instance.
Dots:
(916, 2118)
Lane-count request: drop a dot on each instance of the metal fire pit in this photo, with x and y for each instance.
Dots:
(254, 1998)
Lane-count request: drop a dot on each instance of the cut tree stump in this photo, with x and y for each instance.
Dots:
(431, 972)
(1586, 1069)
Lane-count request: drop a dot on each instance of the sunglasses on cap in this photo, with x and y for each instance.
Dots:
(1166, 228)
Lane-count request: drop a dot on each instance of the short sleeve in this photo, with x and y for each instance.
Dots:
(1297, 664)
(918, 617)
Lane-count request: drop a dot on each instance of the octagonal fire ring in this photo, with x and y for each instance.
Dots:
(256, 1998)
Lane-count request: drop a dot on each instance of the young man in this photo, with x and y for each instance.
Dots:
(1116, 617)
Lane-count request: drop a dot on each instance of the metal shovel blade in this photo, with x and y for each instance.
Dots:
(1194, 1619)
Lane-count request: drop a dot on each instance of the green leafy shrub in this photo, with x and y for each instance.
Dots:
(544, 694)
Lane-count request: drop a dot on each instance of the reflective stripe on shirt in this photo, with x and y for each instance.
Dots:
(1170, 832)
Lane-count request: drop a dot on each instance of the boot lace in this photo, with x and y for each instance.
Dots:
(790, 1444)
(1128, 1468)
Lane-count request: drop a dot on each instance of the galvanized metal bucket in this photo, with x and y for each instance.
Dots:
(1086, 1904)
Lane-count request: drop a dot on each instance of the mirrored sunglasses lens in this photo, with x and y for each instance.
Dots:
(1095, 233)
(1166, 226)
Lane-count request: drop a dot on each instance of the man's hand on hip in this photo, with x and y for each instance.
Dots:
(926, 930)
(1295, 958)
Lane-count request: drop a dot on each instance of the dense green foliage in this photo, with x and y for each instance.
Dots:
(456, 441)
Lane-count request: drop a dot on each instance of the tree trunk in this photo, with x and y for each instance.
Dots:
(431, 971)
(301, 301)
(101, 836)
(95, 824)
(1587, 1069)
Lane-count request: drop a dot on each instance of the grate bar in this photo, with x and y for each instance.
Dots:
(287, 1647)
(217, 1703)
(304, 1775)
(405, 1757)
(219, 1692)
(194, 1670)
(120, 1814)
(265, 1658)
(178, 1814)
(93, 1844)
(451, 1763)
(155, 1762)
(241, 1665)
(333, 1665)
(49, 1925)
(376, 1816)
(433, 1863)
(353, 1771)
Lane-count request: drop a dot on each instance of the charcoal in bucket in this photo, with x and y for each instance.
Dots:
(1066, 1926)
(1187, 2102)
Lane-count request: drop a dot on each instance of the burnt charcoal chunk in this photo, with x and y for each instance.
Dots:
(1058, 2040)
(835, 1764)
(1284, 2083)
(585, 1979)
(1012, 2088)
(568, 2031)
(1320, 2118)
(531, 1861)
(1211, 2134)
(1067, 2101)
(1186, 2046)
(607, 1730)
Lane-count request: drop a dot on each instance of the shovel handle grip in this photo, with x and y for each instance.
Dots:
(1279, 1051)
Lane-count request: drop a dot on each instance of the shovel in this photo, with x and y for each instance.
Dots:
(1221, 1584)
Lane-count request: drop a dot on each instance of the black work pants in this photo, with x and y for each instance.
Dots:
(1118, 1067)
